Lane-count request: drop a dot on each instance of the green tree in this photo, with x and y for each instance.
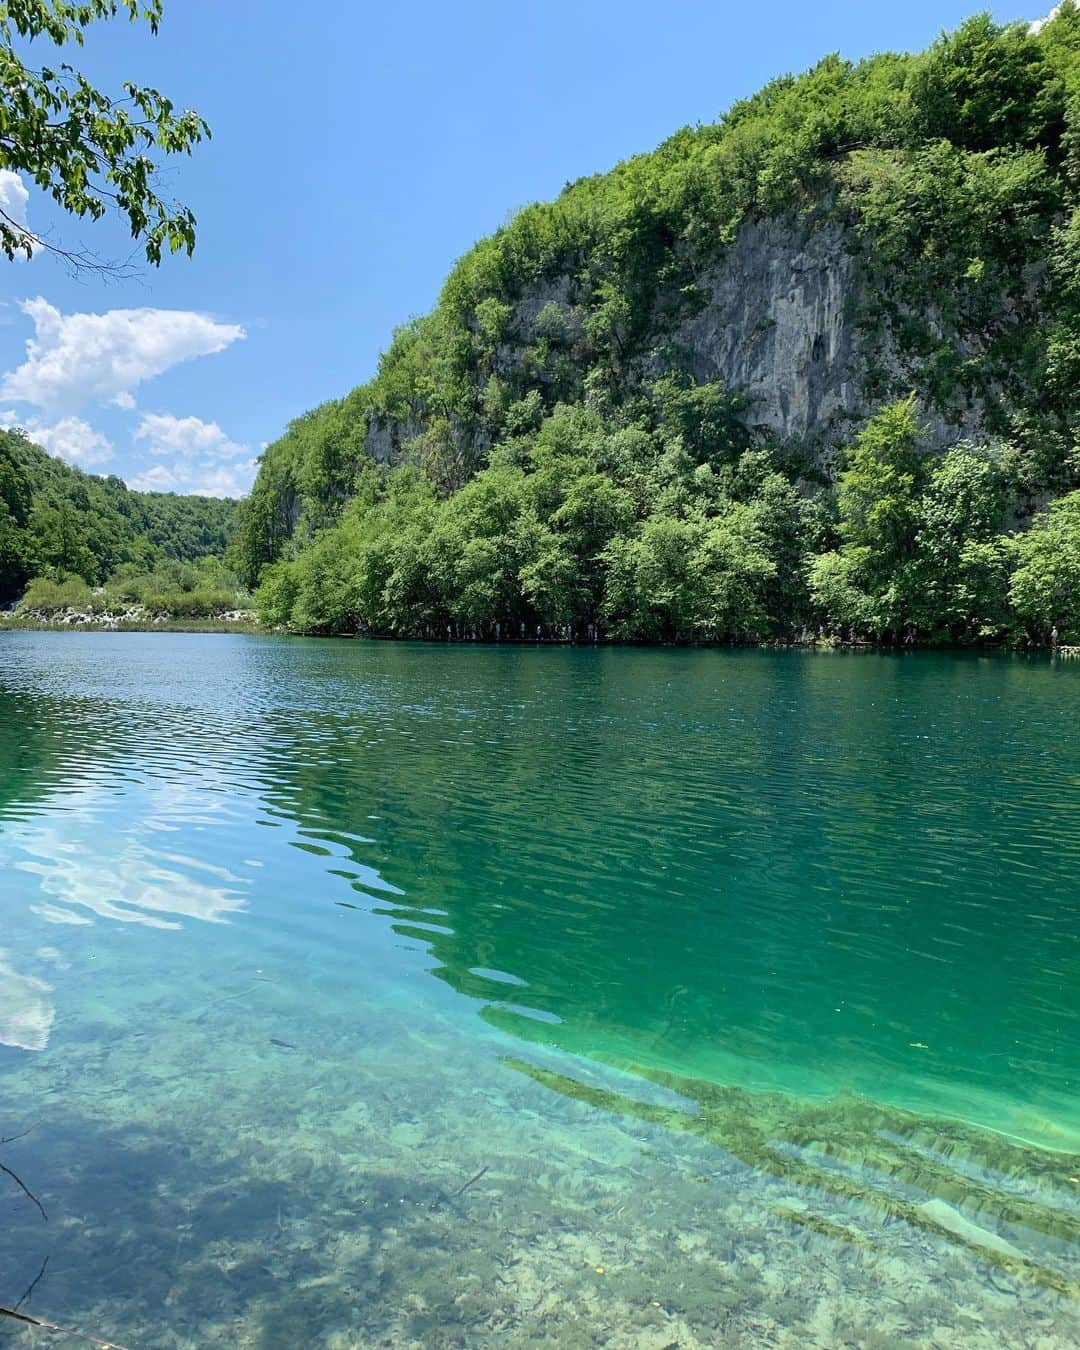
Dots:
(564, 576)
(688, 579)
(14, 556)
(707, 417)
(653, 590)
(987, 84)
(16, 496)
(877, 498)
(268, 516)
(959, 579)
(88, 150)
(790, 526)
(837, 590)
(57, 542)
(1046, 584)
(473, 556)
(16, 488)
(876, 490)
(275, 600)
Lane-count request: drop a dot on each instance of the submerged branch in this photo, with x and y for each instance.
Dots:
(33, 1285)
(25, 1189)
(471, 1182)
(228, 998)
(41, 1323)
(11, 1138)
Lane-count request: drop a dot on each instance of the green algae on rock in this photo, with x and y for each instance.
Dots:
(862, 1152)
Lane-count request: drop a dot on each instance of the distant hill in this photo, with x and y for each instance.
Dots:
(57, 519)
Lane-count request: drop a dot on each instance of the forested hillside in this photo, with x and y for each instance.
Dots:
(58, 522)
(816, 366)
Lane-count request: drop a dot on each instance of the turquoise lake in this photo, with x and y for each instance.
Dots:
(364, 993)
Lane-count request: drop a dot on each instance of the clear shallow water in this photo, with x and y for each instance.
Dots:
(751, 979)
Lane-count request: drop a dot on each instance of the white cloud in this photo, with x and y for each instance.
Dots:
(13, 196)
(191, 436)
(232, 481)
(1040, 24)
(157, 479)
(73, 358)
(201, 458)
(138, 886)
(14, 200)
(57, 914)
(124, 400)
(201, 478)
(72, 439)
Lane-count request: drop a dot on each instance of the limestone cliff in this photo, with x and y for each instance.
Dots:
(839, 241)
(779, 317)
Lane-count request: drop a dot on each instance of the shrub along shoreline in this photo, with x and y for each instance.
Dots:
(72, 622)
(549, 540)
(246, 622)
(196, 597)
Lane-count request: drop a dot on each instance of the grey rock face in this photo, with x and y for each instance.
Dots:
(779, 326)
(387, 437)
(548, 309)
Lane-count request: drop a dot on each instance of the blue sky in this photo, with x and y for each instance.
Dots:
(358, 150)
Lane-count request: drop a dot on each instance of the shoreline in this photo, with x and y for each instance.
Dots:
(244, 627)
(248, 628)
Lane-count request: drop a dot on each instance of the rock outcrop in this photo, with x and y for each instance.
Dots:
(779, 321)
(779, 326)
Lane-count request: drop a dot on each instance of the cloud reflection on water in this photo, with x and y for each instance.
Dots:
(26, 1014)
(84, 870)
(133, 888)
(131, 879)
